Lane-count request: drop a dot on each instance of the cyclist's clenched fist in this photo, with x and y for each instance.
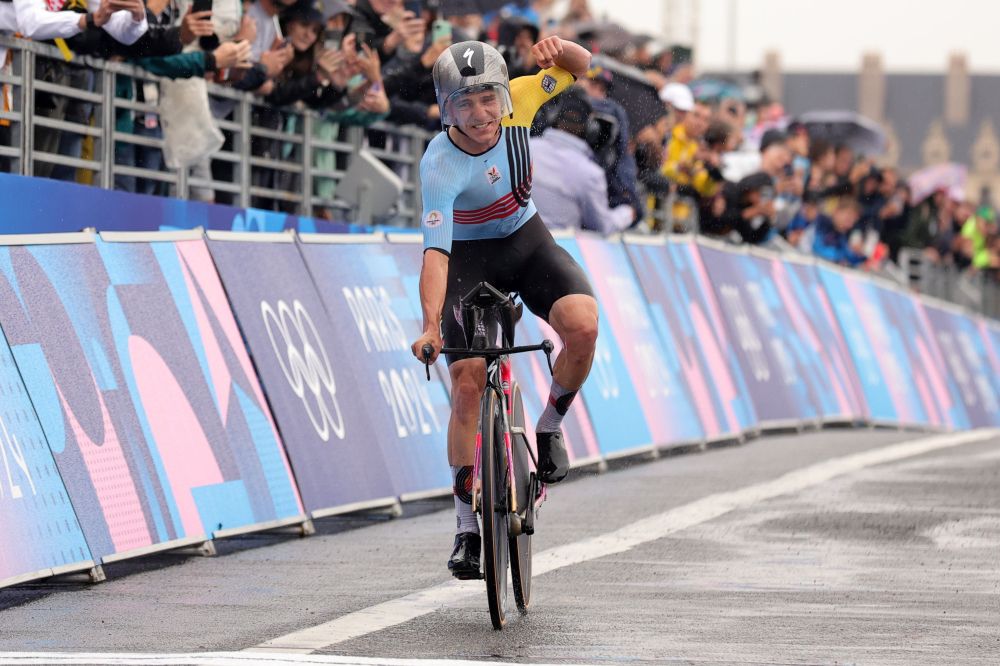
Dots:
(547, 51)
(432, 338)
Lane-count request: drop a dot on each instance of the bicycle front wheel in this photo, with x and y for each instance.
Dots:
(520, 545)
(494, 506)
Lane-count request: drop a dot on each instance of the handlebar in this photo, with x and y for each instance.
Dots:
(546, 346)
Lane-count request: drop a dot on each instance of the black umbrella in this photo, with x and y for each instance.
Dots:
(861, 134)
(631, 89)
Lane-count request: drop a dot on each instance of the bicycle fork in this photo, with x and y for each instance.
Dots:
(505, 383)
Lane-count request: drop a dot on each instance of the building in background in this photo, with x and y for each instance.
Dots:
(929, 118)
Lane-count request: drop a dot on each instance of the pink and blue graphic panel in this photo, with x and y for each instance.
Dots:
(40, 527)
(774, 360)
(910, 329)
(969, 364)
(676, 310)
(111, 371)
(816, 321)
(361, 285)
(896, 359)
(651, 360)
(798, 323)
(611, 396)
(306, 373)
(194, 389)
(989, 333)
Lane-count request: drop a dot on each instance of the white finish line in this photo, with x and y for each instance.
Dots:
(219, 659)
(397, 611)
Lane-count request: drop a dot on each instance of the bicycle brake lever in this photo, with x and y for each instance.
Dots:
(548, 348)
(426, 351)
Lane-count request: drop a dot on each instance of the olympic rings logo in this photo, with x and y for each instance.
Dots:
(305, 364)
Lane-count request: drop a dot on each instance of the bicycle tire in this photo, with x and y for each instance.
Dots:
(493, 469)
(520, 545)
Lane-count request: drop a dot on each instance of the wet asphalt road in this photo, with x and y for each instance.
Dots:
(897, 563)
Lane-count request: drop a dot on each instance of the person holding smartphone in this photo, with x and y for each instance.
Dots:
(410, 85)
(400, 26)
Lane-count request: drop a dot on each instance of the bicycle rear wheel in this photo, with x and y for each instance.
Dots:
(495, 505)
(520, 545)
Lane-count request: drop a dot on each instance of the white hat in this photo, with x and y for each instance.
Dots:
(678, 96)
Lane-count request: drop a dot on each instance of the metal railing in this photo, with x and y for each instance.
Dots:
(978, 291)
(58, 104)
(55, 104)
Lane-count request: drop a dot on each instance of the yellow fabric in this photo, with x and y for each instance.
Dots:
(67, 53)
(981, 255)
(529, 93)
(79, 6)
(681, 153)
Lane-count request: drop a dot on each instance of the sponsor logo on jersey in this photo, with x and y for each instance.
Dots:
(493, 175)
(433, 219)
(548, 84)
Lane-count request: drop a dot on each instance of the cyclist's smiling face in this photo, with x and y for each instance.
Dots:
(478, 115)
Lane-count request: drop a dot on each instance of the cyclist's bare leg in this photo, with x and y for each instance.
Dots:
(468, 379)
(574, 318)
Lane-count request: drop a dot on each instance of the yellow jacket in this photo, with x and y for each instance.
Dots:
(681, 166)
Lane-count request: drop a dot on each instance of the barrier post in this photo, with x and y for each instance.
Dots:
(105, 145)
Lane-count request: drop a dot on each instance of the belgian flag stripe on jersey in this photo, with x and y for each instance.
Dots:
(519, 158)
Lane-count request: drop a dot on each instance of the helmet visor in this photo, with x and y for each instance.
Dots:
(475, 105)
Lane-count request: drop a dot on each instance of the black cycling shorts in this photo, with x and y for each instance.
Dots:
(528, 261)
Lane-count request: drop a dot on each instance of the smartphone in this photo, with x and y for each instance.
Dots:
(333, 39)
(415, 6)
(440, 29)
(279, 35)
(362, 38)
(208, 42)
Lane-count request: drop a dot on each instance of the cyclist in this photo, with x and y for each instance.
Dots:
(479, 224)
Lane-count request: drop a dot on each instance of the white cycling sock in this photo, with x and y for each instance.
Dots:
(462, 489)
(559, 402)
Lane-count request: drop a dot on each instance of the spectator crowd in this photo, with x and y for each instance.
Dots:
(640, 144)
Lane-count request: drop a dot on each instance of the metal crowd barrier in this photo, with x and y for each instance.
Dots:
(53, 101)
(977, 291)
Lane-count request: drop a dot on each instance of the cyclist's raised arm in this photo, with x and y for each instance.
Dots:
(563, 62)
(562, 53)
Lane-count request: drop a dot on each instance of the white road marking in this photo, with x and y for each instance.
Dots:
(217, 659)
(411, 606)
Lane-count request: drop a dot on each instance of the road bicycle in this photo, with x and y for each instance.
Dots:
(507, 493)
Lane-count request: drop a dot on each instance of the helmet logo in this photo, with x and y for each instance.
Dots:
(469, 58)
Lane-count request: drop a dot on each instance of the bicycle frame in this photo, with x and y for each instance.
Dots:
(488, 314)
(502, 366)
(499, 376)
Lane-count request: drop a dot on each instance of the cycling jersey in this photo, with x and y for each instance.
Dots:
(472, 197)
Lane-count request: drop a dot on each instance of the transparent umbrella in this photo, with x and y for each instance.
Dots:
(861, 134)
